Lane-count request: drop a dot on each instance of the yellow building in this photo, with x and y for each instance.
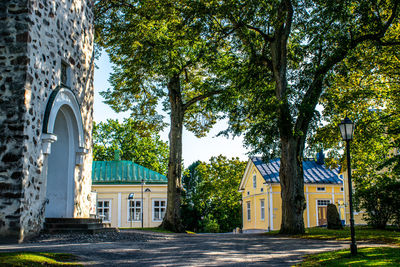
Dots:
(261, 194)
(126, 191)
(358, 214)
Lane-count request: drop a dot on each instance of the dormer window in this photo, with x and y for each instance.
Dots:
(254, 181)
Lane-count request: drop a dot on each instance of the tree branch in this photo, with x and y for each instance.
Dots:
(199, 98)
(267, 38)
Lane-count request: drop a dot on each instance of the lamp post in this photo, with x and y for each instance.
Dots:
(141, 216)
(347, 129)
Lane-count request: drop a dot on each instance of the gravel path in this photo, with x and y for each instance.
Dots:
(136, 248)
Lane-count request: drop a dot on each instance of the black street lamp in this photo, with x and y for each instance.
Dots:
(347, 129)
(141, 215)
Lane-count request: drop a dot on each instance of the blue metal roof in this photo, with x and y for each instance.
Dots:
(124, 172)
(314, 173)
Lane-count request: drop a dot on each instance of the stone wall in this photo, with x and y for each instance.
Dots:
(14, 22)
(55, 31)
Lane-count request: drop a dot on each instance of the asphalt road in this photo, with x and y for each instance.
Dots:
(188, 250)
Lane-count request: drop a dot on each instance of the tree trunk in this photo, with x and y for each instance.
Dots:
(172, 220)
(292, 186)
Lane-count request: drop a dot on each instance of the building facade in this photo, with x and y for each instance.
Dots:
(46, 99)
(261, 194)
(129, 195)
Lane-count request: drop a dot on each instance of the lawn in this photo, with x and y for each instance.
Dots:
(363, 233)
(37, 259)
(377, 256)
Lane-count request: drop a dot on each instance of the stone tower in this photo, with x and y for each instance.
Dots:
(46, 99)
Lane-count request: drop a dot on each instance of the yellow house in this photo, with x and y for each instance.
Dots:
(129, 195)
(358, 214)
(261, 194)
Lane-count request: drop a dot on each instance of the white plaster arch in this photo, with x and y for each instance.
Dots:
(60, 97)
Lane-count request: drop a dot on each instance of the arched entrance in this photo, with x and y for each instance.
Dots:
(63, 148)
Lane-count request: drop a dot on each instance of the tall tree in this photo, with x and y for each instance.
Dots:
(212, 194)
(285, 51)
(162, 53)
(137, 140)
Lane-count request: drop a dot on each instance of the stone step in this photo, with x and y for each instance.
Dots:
(81, 231)
(73, 220)
(76, 225)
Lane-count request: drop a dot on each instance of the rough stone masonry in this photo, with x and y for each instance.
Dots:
(37, 37)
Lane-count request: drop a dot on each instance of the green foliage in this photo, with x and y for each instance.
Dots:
(152, 42)
(380, 201)
(137, 140)
(37, 259)
(211, 202)
(333, 217)
(375, 256)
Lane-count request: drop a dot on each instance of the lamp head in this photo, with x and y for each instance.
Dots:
(346, 129)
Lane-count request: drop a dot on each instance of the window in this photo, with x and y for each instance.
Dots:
(262, 189)
(262, 205)
(323, 202)
(64, 73)
(321, 189)
(248, 193)
(159, 207)
(134, 210)
(254, 181)
(104, 210)
(341, 189)
(248, 211)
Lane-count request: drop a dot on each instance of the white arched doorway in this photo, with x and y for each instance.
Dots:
(63, 148)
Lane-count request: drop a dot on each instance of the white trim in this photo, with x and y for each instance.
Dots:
(66, 97)
(333, 195)
(245, 176)
(119, 208)
(109, 207)
(308, 208)
(152, 208)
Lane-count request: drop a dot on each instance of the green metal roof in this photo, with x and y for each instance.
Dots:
(124, 172)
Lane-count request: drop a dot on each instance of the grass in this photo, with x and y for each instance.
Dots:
(150, 229)
(37, 259)
(363, 233)
(377, 256)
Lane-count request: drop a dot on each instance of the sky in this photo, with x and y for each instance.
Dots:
(193, 148)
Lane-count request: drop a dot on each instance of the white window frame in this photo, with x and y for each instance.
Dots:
(262, 209)
(325, 201)
(102, 208)
(134, 210)
(254, 181)
(248, 208)
(153, 209)
(323, 189)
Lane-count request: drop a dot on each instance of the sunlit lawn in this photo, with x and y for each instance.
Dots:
(377, 256)
(37, 259)
(363, 233)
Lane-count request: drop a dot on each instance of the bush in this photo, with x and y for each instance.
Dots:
(333, 217)
(210, 225)
(381, 202)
